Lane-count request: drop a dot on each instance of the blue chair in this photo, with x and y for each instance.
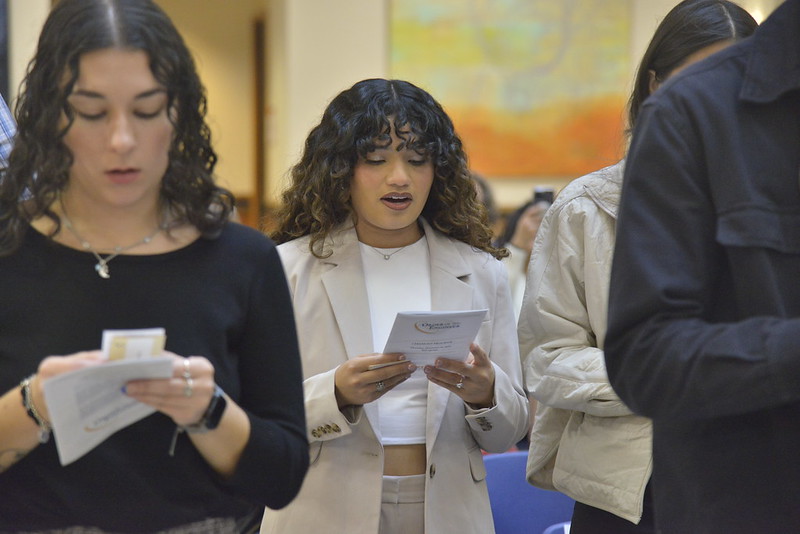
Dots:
(558, 528)
(518, 507)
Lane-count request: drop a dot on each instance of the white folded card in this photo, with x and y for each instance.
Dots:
(425, 336)
(87, 406)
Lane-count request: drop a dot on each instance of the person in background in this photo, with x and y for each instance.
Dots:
(703, 332)
(486, 198)
(518, 236)
(122, 227)
(380, 217)
(8, 129)
(586, 442)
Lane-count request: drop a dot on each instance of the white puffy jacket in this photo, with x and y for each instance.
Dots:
(585, 442)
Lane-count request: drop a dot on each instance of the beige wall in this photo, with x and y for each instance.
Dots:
(25, 19)
(315, 49)
(220, 35)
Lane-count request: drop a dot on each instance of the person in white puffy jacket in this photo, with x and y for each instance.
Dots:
(585, 442)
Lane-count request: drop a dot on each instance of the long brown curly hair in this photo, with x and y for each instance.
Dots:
(357, 121)
(39, 164)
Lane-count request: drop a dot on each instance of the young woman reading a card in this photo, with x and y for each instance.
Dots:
(380, 217)
(110, 219)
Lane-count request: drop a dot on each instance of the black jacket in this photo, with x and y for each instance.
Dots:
(704, 312)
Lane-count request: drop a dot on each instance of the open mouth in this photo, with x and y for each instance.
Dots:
(397, 199)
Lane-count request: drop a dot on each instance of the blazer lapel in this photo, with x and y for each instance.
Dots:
(344, 284)
(449, 291)
(347, 293)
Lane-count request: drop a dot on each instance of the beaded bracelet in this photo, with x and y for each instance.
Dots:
(33, 413)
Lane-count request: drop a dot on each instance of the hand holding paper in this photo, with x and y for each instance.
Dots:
(87, 405)
(472, 380)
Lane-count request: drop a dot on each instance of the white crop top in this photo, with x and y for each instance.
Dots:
(401, 283)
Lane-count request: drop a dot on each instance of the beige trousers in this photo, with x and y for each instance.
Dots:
(403, 505)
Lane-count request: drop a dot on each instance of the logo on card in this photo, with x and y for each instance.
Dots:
(434, 327)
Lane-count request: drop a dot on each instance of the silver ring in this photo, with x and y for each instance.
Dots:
(187, 369)
(380, 386)
(187, 389)
(460, 384)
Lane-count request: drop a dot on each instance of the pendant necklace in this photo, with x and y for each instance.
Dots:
(102, 263)
(386, 257)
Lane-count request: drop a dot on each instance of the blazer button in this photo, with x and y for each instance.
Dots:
(328, 429)
(336, 428)
(432, 470)
(315, 433)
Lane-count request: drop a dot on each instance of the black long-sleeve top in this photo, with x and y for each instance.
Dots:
(225, 299)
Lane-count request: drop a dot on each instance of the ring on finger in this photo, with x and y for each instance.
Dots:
(187, 369)
(460, 384)
(380, 386)
(187, 389)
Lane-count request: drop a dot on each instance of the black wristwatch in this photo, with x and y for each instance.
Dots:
(212, 415)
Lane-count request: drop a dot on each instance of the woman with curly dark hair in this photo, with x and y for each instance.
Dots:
(110, 219)
(381, 216)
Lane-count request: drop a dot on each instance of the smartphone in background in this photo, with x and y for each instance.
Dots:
(543, 193)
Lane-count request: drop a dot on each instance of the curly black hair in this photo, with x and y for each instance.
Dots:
(39, 164)
(356, 122)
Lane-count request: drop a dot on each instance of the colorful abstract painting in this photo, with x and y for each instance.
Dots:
(534, 87)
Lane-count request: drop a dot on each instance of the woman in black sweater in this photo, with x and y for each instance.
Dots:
(110, 219)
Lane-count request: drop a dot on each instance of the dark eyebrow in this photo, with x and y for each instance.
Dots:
(93, 94)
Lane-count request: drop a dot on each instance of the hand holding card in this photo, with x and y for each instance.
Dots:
(87, 406)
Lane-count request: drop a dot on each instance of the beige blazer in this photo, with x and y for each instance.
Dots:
(342, 490)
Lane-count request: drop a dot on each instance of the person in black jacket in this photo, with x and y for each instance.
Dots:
(704, 312)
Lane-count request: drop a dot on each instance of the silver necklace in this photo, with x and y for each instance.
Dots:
(102, 263)
(387, 257)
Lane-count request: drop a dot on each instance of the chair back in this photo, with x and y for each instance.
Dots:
(558, 528)
(518, 507)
